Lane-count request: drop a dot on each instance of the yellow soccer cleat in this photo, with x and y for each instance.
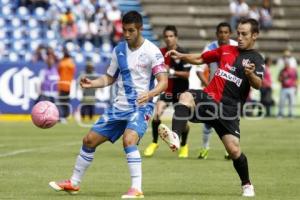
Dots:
(183, 152)
(203, 153)
(149, 151)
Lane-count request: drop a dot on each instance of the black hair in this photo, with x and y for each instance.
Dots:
(171, 28)
(223, 24)
(254, 24)
(132, 17)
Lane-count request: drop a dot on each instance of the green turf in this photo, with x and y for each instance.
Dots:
(31, 157)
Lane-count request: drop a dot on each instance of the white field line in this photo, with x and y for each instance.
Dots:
(22, 151)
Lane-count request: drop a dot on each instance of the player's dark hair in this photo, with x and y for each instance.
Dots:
(171, 28)
(223, 24)
(132, 17)
(254, 24)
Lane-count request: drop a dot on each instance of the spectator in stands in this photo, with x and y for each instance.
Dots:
(68, 27)
(287, 57)
(88, 99)
(238, 9)
(254, 12)
(39, 54)
(266, 21)
(288, 78)
(49, 78)
(266, 89)
(105, 30)
(66, 71)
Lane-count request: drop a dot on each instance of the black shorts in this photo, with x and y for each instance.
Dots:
(168, 98)
(223, 118)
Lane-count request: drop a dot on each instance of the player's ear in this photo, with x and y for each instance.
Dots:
(254, 36)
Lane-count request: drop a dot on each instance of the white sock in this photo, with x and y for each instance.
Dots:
(135, 166)
(206, 136)
(83, 161)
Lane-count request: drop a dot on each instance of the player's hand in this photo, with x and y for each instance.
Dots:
(174, 54)
(249, 69)
(143, 98)
(85, 82)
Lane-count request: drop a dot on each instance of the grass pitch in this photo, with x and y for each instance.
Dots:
(31, 157)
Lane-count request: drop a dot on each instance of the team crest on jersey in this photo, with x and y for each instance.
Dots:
(245, 62)
(143, 61)
(230, 68)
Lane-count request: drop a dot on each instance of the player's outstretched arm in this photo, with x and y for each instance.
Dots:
(189, 58)
(100, 82)
(162, 84)
(254, 80)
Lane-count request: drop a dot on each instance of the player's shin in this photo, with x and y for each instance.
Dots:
(155, 124)
(241, 166)
(83, 161)
(180, 118)
(135, 166)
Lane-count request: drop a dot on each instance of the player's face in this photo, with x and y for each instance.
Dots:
(245, 37)
(170, 39)
(132, 33)
(223, 35)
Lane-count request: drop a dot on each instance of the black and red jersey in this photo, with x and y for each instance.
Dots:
(176, 85)
(230, 84)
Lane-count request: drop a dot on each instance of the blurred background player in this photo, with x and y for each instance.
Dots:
(266, 98)
(223, 33)
(288, 77)
(66, 71)
(49, 79)
(88, 94)
(135, 62)
(178, 82)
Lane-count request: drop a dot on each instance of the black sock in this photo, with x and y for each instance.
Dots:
(155, 124)
(184, 136)
(241, 166)
(180, 118)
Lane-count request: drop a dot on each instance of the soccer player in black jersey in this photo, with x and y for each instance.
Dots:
(219, 103)
(178, 83)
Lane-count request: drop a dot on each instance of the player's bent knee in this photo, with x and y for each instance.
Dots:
(234, 152)
(88, 142)
(186, 98)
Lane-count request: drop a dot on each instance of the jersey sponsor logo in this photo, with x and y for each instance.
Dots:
(186, 65)
(228, 76)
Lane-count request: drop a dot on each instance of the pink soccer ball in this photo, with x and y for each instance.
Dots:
(44, 114)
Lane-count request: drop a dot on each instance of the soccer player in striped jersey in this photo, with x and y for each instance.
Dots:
(135, 64)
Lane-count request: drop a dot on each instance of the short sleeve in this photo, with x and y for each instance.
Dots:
(211, 56)
(158, 61)
(259, 66)
(113, 69)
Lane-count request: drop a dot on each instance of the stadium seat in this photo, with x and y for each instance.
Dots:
(34, 34)
(2, 34)
(13, 56)
(32, 23)
(88, 46)
(40, 13)
(79, 58)
(16, 22)
(17, 34)
(23, 12)
(50, 34)
(2, 22)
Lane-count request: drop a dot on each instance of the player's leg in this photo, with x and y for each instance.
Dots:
(179, 121)
(159, 109)
(207, 130)
(135, 129)
(83, 161)
(134, 161)
(184, 149)
(240, 163)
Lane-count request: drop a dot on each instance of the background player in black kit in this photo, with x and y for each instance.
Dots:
(219, 103)
(178, 83)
